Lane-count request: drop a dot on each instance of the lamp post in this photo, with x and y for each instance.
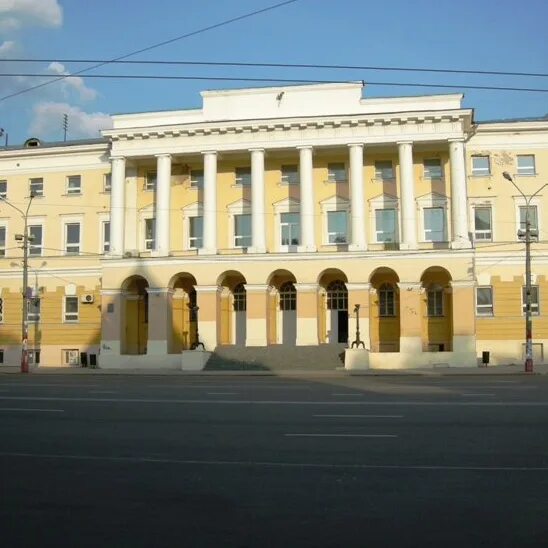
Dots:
(24, 238)
(526, 235)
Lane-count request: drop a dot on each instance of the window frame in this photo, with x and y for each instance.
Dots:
(332, 172)
(107, 183)
(242, 175)
(1, 310)
(151, 180)
(193, 240)
(242, 236)
(430, 231)
(286, 224)
(383, 292)
(379, 171)
(35, 314)
(489, 307)
(529, 171)
(33, 182)
(290, 174)
(71, 317)
(68, 223)
(477, 231)
(378, 232)
(329, 214)
(76, 191)
(437, 292)
(196, 178)
(481, 171)
(426, 169)
(32, 244)
(535, 305)
(149, 244)
(105, 242)
(3, 249)
(3, 193)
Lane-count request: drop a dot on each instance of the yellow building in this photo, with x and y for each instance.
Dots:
(263, 218)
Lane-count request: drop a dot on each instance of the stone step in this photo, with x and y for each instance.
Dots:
(322, 357)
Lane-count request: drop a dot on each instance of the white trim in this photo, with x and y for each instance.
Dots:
(195, 209)
(287, 205)
(334, 203)
(240, 207)
(64, 309)
(72, 219)
(384, 201)
(478, 201)
(433, 200)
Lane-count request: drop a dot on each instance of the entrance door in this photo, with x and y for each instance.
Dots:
(342, 321)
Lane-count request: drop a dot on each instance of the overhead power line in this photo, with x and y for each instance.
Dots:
(282, 80)
(157, 45)
(286, 65)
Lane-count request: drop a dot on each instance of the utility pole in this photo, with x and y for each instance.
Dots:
(25, 238)
(526, 235)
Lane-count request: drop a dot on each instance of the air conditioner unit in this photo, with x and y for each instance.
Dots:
(88, 298)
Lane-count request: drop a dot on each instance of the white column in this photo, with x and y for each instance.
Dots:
(163, 180)
(357, 202)
(407, 186)
(460, 236)
(210, 204)
(117, 206)
(258, 236)
(307, 199)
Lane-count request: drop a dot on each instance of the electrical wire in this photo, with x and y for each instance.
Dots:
(277, 80)
(285, 65)
(157, 45)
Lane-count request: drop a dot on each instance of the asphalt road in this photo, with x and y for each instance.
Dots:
(272, 461)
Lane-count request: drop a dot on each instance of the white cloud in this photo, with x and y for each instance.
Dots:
(15, 14)
(7, 48)
(48, 119)
(77, 83)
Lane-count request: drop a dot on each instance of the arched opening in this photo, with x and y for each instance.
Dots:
(333, 307)
(232, 316)
(184, 313)
(135, 331)
(385, 311)
(282, 308)
(437, 310)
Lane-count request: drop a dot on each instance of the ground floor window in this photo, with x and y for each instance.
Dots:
(71, 356)
(387, 301)
(435, 301)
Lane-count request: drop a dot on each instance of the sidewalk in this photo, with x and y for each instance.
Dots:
(541, 369)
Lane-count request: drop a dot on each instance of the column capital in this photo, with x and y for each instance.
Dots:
(258, 149)
(117, 158)
(399, 143)
(304, 147)
(351, 145)
(205, 152)
(163, 155)
(456, 140)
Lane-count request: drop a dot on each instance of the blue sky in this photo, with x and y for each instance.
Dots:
(501, 35)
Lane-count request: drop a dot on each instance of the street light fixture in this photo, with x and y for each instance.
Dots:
(526, 235)
(25, 238)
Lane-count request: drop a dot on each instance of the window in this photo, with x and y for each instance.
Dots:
(33, 310)
(337, 227)
(150, 180)
(336, 173)
(385, 223)
(290, 228)
(74, 184)
(36, 186)
(434, 297)
(337, 296)
(34, 356)
(1, 310)
(384, 170)
(107, 182)
(72, 238)
(533, 219)
(288, 296)
(290, 175)
(35, 240)
(2, 241)
(482, 224)
(535, 311)
(481, 167)
(434, 224)
(243, 176)
(387, 301)
(106, 236)
(150, 234)
(71, 357)
(195, 232)
(71, 309)
(432, 169)
(242, 230)
(3, 188)
(526, 164)
(239, 294)
(197, 178)
(484, 301)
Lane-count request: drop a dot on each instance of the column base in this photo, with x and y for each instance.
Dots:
(357, 247)
(408, 246)
(256, 250)
(306, 249)
(461, 244)
(159, 253)
(204, 251)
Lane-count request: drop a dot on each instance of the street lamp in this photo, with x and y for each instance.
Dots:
(25, 239)
(526, 235)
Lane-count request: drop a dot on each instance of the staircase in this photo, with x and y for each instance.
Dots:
(276, 357)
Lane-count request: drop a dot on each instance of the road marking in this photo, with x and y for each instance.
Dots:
(103, 392)
(25, 384)
(222, 393)
(340, 435)
(362, 416)
(475, 395)
(331, 403)
(346, 394)
(272, 464)
(32, 410)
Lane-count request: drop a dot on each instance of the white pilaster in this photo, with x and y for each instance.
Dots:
(357, 202)
(258, 236)
(210, 204)
(163, 180)
(460, 236)
(407, 185)
(117, 206)
(307, 199)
